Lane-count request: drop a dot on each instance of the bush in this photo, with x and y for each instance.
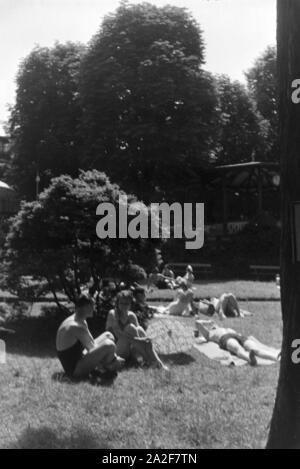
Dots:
(52, 245)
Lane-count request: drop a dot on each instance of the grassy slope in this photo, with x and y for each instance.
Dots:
(199, 405)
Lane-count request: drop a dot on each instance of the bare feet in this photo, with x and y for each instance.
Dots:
(252, 358)
(160, 366)
(144, 346)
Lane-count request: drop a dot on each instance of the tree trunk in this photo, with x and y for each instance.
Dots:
(285, 424)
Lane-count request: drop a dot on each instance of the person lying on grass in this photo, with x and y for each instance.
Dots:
(74, 338)
(228, 339)
(131, 340)
(225, 307)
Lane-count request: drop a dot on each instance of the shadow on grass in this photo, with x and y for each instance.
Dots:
(47, 438)
(177, 359)
(35, 336)
(61, 377)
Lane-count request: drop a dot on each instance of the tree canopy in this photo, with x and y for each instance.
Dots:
(46, 117)
(263, 86)
(149, 108)
(240, 134)
(138, 105)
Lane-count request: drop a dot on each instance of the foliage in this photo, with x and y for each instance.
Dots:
(45, 120)
(53, 241)
(149, 108)
(263, 86)
(241, 135)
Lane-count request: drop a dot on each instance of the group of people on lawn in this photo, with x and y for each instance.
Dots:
(125, 340)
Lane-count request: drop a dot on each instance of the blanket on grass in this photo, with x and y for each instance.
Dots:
(214, 352)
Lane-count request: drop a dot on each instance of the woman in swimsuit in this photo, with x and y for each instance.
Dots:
(74, 338)
(131, 339)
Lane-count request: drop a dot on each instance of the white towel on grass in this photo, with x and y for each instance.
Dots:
(214, 352)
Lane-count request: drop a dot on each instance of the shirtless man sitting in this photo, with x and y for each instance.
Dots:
(78, 352)
(228, 339)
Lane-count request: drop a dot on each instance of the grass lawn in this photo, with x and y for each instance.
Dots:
(243, 289)
(200, 404)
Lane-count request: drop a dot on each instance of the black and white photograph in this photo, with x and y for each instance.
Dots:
(149, 227)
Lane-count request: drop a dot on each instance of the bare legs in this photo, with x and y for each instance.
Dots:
(135, 343)
(103, 354)
(260, 352)
(124, 342)
(234, 347)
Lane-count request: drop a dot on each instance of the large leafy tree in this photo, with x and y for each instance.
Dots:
(149, 108)
(46, 117)
(263, 86)
(240, 132)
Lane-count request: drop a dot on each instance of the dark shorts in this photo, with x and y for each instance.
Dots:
(241, 339)
(70, 357)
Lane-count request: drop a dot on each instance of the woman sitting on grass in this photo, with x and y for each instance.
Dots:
(242, 346)
(183, 305)
(73, 338)
(131, 339)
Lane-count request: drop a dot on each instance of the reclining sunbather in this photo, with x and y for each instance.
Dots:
(226, 307)
(244, 347)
